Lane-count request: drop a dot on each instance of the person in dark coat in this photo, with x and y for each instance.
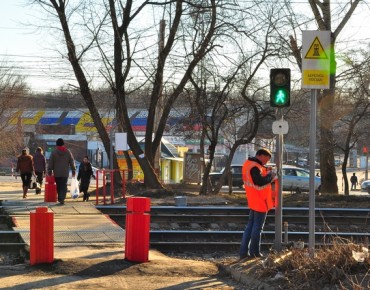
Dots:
(26, 169)
(60, 162)
(85, 173)
(39, 161)
(354, 181)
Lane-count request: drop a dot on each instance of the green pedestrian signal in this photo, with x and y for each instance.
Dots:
(280, 87)
(281, 97)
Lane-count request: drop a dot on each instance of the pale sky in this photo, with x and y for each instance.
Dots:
(32, 54)
(27, 50)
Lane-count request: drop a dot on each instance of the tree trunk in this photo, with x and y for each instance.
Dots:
(326, 104)
(207, 166)
(328, 175)
(344, 174)
(151, 180)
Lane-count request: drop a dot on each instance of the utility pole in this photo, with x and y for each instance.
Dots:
(365, 151)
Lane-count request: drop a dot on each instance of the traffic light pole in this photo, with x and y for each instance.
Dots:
(279, 98)
(279, 197)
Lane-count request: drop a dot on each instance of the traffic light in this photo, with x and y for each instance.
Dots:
(280, 87)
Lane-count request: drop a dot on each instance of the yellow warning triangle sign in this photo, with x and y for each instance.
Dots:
(316, 50)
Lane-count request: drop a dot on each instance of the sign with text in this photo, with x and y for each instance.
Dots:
(192, 168)
(316, 59)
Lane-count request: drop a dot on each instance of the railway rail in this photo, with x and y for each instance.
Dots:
(184, 229)
(324, 217)
(179, 229)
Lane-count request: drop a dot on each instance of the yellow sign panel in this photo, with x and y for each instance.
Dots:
(315, 77)
(316, 59)
(316, 51)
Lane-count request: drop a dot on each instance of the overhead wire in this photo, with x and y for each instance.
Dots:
(39, 66)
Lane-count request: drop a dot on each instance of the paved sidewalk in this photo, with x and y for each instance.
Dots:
(75, 222)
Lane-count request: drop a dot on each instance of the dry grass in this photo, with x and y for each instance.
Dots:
(333, 267)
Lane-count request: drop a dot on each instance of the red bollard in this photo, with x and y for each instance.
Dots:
(41, 236)
(137, 229)
(50, 189)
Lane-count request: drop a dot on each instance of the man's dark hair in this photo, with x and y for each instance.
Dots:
(60, 142)
(264, 151)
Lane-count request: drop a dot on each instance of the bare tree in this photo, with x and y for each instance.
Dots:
(195, 29)
(230, 102)
(12, 90)
(323, 13)
(123, 18)
(353, 107)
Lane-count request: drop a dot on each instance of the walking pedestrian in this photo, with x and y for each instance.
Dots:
(60, 161)
(257, 180)
(26, 169)
(39, 161)
(85, 173)
(354, 181)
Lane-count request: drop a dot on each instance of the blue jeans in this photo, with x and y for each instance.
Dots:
(251, 240)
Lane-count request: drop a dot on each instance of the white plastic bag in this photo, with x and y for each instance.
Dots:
(75, 191)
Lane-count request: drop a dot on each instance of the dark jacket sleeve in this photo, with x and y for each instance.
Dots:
(258, 179)
(91, 173)
(44, 163)
(51, 163)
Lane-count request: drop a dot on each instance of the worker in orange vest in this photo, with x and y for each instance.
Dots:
(257, 181)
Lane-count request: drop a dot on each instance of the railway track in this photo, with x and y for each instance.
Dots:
(181, 229)
(325, 217)
(206, 229)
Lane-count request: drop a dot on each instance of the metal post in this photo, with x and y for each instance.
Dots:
(311, 215)
(367, 166)
(286, 240)
(278, 209)
(111, 149)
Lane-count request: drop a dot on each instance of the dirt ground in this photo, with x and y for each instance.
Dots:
(106, 268)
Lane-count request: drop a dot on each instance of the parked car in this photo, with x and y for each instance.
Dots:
(236, 175)
(294, 178)
(365, 186)
(298, 179)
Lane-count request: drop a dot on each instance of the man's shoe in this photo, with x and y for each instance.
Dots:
(258, 255)
(243, 258)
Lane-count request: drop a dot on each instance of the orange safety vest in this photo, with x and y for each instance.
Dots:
(259, 197)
